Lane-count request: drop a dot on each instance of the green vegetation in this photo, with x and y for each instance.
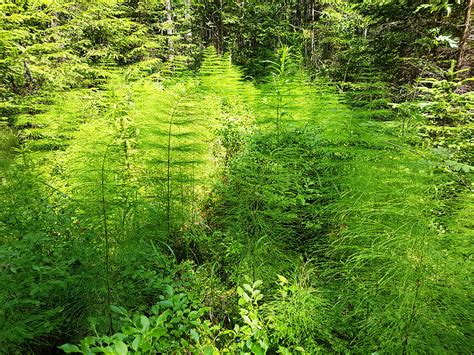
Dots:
(236, 177)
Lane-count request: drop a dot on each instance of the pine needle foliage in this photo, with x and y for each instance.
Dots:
(218, 75)
(96, 167)
(53, 129)
(298, 314)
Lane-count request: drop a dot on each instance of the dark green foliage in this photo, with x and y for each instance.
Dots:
(266, 204)
(176, 315)
(420, 34)
(41, 265)
(448, 116)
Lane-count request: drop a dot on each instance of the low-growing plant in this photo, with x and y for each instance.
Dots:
(177, 322)
(298, 316)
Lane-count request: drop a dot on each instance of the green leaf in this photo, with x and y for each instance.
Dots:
(257, 283)
(145, 323)
(69, 348)
(246, 297)
(119, 310)
(104, 349)
(247, 320)
(136, 342)
(158, 332)
(248, 287)
(194, 335)
(263, 344)
(120, 348)
(284, 351)
(166, 303)
(282, 279)
(257, 349)
(210, 350)
(169, 290)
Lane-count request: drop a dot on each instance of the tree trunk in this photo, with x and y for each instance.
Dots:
(27, 73)
(220, 29)
(187, 17)
(170, 29)
(464, 39)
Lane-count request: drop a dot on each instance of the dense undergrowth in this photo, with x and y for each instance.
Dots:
(141, 212)
(155, 199)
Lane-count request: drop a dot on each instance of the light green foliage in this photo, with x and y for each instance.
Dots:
(177, 125)
(146, 182)
(284, 100)
(130, 161)
(8, 145)
(281, 71)
(385, 230)
(372, 221)
(271, 201)
(52, 46)
(298, 316)
(219, 78)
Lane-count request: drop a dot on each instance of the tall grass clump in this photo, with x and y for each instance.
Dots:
(387, 253)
